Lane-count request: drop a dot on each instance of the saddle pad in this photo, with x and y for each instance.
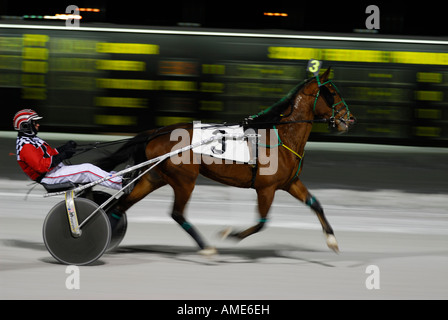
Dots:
(228, 148)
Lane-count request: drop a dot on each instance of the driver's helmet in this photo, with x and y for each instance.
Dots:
(23, 121)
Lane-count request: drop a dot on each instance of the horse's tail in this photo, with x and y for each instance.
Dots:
(133, 149)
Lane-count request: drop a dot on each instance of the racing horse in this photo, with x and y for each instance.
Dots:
(290, 120)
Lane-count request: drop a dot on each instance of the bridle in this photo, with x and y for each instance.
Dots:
(329, 99)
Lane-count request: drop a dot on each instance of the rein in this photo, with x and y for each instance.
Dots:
(82, 148)
(276, 123)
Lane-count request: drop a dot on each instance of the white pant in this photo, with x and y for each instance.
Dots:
(80, 173)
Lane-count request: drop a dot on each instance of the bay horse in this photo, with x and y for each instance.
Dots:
(290, 120)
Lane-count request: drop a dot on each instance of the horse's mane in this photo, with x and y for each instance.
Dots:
(275, 112)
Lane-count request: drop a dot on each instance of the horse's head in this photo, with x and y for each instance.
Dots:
(328, 103)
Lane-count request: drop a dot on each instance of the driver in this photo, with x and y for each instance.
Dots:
(43, 164)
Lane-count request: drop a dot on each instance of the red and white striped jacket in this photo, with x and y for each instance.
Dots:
(34, 156)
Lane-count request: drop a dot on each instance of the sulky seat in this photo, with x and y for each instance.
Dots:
(59, 187)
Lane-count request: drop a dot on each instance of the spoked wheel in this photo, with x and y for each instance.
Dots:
(89, 246)
(119, 230)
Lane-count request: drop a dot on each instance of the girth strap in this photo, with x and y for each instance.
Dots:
(279, 144)
(254, 165)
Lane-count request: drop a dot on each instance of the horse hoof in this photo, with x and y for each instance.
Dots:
(332, 243)
(224, 234)
(208, 251)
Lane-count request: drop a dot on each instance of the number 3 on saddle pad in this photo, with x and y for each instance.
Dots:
(227, 148)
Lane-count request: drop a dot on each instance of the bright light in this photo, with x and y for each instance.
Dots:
(64, 17)
(89, 9)
(275, 14)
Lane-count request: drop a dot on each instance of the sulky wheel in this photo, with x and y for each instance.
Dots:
(119, 230)
(85, 249)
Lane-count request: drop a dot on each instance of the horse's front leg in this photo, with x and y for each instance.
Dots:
(299, 191)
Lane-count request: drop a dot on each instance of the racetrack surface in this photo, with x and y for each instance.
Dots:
(403, 234)
(387, 205)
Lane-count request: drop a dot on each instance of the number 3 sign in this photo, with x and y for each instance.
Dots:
(314, 66)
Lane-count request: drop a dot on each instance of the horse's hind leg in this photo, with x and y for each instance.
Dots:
(182, 193)
(147, 184)
(299, 191)
(144, 186)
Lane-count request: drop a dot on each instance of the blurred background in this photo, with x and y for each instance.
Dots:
(131, 66)
(134, 65)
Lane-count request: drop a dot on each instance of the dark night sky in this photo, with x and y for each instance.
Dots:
(399, 18)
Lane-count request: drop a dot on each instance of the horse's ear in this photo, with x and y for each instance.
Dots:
(326, 75)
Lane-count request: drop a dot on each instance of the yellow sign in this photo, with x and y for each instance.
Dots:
(127, 48)
(350, 55)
